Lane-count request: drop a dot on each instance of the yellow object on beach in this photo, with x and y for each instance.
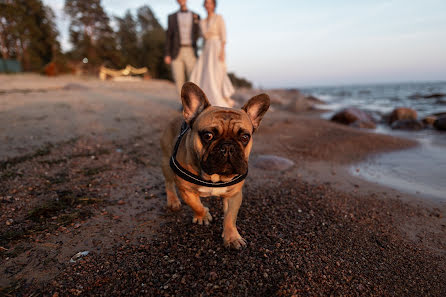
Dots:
(128, 70)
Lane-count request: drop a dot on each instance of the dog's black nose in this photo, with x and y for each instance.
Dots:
(227, 148)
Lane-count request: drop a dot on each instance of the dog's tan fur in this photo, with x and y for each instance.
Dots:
(198, 113)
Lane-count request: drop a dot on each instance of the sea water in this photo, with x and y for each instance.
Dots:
(383, 98)
(420, 170)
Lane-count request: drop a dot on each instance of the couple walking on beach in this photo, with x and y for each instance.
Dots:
(209, 72)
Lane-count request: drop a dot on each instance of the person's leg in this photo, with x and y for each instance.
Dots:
(178, 71)
(189, 61)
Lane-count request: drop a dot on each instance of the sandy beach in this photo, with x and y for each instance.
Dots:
(80, 171)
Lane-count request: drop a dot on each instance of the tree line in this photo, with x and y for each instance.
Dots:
(29, 35)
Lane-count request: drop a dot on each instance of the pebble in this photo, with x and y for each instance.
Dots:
(272, 162)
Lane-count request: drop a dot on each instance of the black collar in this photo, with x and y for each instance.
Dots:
(195, 179)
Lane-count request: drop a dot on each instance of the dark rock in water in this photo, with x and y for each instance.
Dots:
(74, 86)
(435, 95)
(403, 113)
(354, 117)
(429, 120)
(440, 123)
(271, 162)
(440, 114)
(408, 124)
(427, 96)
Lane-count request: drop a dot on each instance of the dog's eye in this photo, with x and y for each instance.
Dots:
(245, 138)
(207, 136)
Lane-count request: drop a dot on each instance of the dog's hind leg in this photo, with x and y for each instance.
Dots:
(173, 202)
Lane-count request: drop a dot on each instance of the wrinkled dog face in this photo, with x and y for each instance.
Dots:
(223, 138)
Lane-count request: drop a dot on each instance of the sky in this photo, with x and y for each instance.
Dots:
(294, 43)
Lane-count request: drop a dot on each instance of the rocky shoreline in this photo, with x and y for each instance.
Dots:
(401, 118)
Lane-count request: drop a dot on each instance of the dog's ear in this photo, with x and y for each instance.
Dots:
(256, 107)
(194, 102)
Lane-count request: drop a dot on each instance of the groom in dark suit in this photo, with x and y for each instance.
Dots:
(181, 43)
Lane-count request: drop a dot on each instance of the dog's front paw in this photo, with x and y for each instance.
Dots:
(173, 204)
(232, 239)
(200, 219)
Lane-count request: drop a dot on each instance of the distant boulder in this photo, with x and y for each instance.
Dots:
(427, 96)
(291, 100)
(354, 117)
(407, 124)
(314, 100)
(440, 123)
(298, 104)
(402, 113)
(285, 97)
(429, 120)
(242, 95)
(440, 114)
(435, 95)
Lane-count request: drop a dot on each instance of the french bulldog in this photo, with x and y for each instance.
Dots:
(210, 157)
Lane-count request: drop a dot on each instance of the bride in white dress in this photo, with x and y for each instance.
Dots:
(210, 70)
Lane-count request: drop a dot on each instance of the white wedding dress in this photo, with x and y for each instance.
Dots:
(209, 72)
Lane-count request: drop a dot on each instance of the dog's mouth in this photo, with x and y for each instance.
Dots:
(229, 169)
(225, 158)
(224, 165)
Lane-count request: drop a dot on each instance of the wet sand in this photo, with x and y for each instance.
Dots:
(421, 170)
(79, 167)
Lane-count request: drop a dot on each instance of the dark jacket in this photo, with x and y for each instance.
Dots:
(173, 35)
